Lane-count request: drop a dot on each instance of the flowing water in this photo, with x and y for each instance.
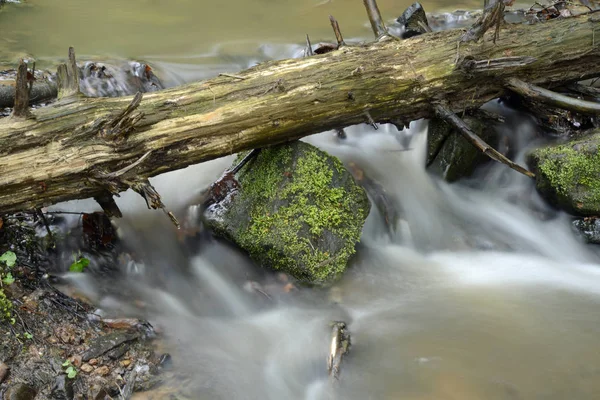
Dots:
(474, 297)
(482, 292)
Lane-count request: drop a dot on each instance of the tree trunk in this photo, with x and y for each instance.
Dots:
(69, 150)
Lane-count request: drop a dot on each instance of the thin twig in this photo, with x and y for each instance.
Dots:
(233, 76)
(245, 160)
(309, 50)
(128, 168)
(549, 97)
(447, 115)
(45, 221)
(370, 119)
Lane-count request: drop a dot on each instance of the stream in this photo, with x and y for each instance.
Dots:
(483, 292)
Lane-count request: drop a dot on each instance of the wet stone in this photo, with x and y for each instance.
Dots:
(118, 352)
(62, 389)
(20, 391)
(588, 228)
(413, 21)
(105, 343)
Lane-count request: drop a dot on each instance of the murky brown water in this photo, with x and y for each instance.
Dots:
(181, 30)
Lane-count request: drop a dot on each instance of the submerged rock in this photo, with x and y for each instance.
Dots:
(451, 155)
(297, 209)
(568, 174)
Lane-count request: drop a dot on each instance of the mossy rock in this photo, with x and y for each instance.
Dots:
(297, 210)
(568, 174)
(451, 155)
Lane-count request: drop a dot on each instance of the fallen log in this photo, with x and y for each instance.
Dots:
(40, 92)
(71, 150)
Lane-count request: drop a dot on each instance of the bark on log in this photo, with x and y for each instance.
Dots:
(70, 149)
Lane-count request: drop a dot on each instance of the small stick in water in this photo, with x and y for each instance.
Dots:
(374, 14)
(336, 30)
(309, 50)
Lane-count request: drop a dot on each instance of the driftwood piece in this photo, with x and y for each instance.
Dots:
(58, 156)
(339, 347)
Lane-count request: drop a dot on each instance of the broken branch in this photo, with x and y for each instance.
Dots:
(21, 109)
(447, 115)
(337, 32)
(374, 14)
(551, 98)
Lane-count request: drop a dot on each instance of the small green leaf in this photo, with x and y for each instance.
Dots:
(66, 363)
(79, 265)
(71, 372)
(9, 258)
(28, 335)
(8, 279)
(13, 321)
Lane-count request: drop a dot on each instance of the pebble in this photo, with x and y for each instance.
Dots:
(93, 361)
(87, 368)
(125, 363)
(76, 361)
(102, 371)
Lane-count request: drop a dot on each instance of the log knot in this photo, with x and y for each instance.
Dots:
(118, 126)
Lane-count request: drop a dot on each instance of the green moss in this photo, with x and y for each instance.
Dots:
(5, 307)
(308, 211)
(572, 171)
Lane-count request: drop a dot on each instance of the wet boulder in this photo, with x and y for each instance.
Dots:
(413, 21)
(295, 209)
(453, 157)
(568, 174)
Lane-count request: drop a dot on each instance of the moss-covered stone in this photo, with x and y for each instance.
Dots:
(297, 210)
(568, 174)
